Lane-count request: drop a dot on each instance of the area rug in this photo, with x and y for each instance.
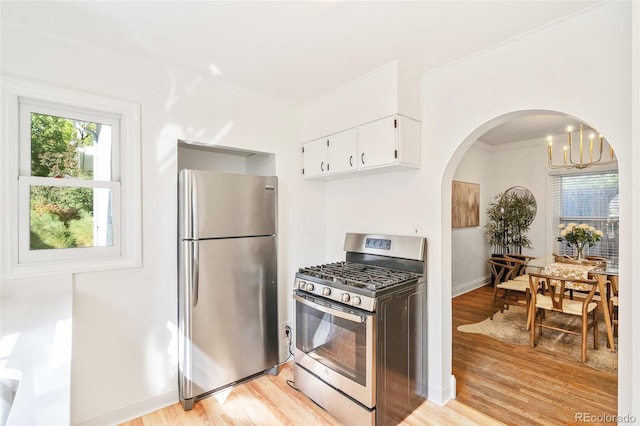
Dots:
(510, 327)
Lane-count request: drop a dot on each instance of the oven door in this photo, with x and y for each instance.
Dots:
(337, 344)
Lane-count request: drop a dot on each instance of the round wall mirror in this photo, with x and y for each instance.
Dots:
(525, 203)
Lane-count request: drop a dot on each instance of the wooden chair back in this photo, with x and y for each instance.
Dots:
(547, 294)
(501, 269)
(600, 263)
(519, 263)
(554, 287)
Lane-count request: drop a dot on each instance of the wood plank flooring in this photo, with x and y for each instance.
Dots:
(268, 400)
(497, 383)
(519, 385)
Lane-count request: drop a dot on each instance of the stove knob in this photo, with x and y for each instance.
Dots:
(345, 297)
(326, 291)
(301, 285)
(309, 287)
(356, 301)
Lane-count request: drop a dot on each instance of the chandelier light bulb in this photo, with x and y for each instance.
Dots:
(569, 152)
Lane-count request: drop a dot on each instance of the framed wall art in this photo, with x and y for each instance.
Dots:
(465, 204)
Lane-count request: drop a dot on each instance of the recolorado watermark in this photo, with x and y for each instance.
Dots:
(603, 418)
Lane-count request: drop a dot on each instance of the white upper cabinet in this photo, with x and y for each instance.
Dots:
(336, 153)
(377, 143)
(314, 156)
(369, 125)
(391, 143)
(343, 151)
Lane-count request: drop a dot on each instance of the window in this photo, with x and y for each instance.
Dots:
(68, 182)
(593, 199)
(77, 175)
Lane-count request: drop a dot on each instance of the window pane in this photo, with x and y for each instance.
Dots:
(66, 217)
(63, 147)
(592, 199)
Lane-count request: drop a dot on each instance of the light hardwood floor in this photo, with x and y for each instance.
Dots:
(497, 383)
(268, 400)
(519, 385)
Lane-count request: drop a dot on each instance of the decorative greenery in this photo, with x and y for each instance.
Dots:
(48, 232)
(510, 217)
(579, 236)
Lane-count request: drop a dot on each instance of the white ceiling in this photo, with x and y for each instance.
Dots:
(533, 126)
(295, 50)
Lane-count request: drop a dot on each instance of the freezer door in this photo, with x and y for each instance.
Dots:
(219, 205)
(229, 314)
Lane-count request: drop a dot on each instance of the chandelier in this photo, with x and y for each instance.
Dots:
(569, 162)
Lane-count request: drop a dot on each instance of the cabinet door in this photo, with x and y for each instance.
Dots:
(315, 158)
(343, 151)
(377, 143)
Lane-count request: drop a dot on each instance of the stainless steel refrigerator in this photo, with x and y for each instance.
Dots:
(227, 284)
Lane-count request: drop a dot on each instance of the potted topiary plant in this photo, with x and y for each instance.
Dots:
(509, 217)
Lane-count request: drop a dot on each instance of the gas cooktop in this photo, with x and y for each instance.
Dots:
(358, 275)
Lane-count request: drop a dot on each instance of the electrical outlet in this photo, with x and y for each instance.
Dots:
(287, 327)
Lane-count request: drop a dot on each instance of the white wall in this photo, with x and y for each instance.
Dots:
(199, 159)
(124, 347)
(528, 74)
(469, 248)
(524, 164)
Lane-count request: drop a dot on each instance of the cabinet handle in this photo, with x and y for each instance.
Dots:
(362, 158)
(322, 166)
(351, 161)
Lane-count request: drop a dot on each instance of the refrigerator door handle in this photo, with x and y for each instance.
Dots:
(195, 274)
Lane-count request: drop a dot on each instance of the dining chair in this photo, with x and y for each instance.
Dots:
(613, 305)
(547, 295)
(598, 262)
(507, 291)
(520, 261)
(563, 258)
(596, 259)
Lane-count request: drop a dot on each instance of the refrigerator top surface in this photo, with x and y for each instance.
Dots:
(225, 205)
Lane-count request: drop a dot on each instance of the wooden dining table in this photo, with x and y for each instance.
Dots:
(604, 276)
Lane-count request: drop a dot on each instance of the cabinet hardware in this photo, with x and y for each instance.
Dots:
(395, 124)
(395, 154)
(302, 171)
(303, 149)
(362, 158)
(327, 142)
(351, 161)
(327, 166)
(322, 166)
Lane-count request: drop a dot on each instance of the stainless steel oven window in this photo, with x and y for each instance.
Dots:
(337, 343)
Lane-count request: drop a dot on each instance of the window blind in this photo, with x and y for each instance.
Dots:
(591, 198)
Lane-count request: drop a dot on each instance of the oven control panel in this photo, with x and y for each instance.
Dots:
(338, 295)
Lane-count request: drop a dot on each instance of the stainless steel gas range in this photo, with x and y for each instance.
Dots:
(360, 330)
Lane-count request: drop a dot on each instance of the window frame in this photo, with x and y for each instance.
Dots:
(560, 247)
(20, 96)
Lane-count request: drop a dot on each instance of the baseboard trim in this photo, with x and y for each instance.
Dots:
(442, 396)
(469, 286)
(133, 411)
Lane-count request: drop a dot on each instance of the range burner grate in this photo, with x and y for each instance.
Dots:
(358, 275)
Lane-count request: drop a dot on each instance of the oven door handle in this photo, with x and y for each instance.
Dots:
(340, 314)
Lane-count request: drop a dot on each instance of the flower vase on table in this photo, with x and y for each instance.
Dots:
(580, 237)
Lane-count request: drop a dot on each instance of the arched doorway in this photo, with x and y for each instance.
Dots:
(483, 382)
